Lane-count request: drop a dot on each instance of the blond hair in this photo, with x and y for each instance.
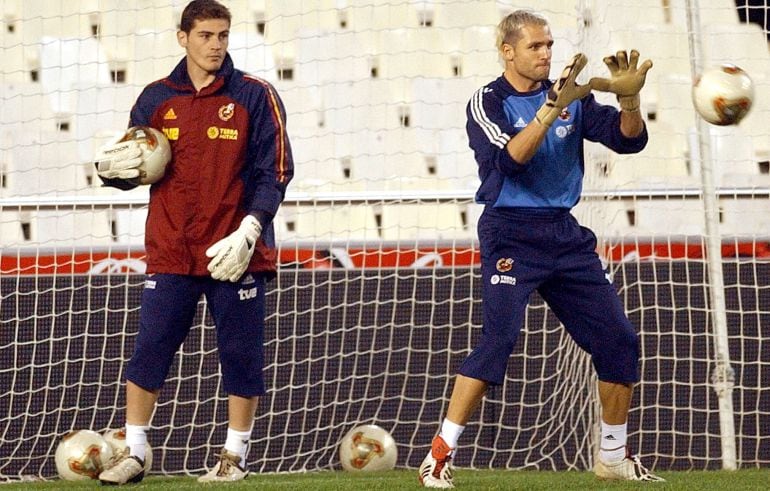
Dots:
(509, 29)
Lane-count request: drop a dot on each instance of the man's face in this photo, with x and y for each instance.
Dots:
(206, 44)
(530, 58)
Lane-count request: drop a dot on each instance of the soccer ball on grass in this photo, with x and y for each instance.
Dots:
(82, 455)
(723, 95)
(368, 448)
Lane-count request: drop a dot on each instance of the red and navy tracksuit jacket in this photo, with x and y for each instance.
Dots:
(231, 156)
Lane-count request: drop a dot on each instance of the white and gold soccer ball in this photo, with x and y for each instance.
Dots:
(116, 438)
(156, 152)
(368, 448)
(82, 455)
(723, 95)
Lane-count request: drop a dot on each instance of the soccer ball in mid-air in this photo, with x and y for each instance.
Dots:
(156, 152)
(723, 95)
(82, 455)
(116, 438)
(368, 448)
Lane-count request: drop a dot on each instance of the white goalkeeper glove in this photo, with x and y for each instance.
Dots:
(626, 79)
(563, 91)
(231, 255)
(119, 160)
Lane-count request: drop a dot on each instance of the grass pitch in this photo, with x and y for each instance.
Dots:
(752, 479)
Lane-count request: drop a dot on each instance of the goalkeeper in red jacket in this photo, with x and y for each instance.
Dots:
(208, 230)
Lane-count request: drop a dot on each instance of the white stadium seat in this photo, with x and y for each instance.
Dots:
(156, 53)
(250, 54)
(100, 109)
(333, 56)
(67, 62)
(68, 228)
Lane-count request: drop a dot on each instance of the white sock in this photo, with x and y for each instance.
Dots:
(238, 443)
(613, 443)
(451, 432)
(136, 439)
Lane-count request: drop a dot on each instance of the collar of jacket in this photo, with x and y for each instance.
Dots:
(181, 79)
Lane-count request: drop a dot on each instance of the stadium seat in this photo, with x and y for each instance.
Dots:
(129, 226)
(18, 58)
(155, 54)
(473, 53)
(363, 104)
(368, 15)
(250, 54)
(732, 152)
(99, 110)
(439, 103)
(57, 19)
(25, 112)
(407, 53)
(333, 56)
(317, 157)
(664, 157)
(422, 220)
(666, 45)
(674, 103)
(721, 11)
(454, 160)
(744, 45)
(70, 228)
(624, 15)
(669, 217)
(11, 232)
(755, 123)
(335, 222)
(46, 166)
(607, 218)
(67, 62)
(303, 107)
(748, 218)
(461, 15)
(285, 18)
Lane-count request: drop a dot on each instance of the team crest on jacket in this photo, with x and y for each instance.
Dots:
(226, 112)
(504, 264)
(565, 115)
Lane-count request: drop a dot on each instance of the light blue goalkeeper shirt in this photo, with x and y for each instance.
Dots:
(553, 177)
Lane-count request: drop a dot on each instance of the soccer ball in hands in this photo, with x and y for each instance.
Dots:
(723, 95)
(156, 152)
(116, 438)
(368, 448)
(82, 455)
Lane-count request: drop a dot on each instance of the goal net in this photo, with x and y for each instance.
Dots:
(377, 300)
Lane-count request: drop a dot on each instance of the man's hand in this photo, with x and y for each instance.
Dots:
(232, 254)
(563, 91)
(119, 160)
(626, 79)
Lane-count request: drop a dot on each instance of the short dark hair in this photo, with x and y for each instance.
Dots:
(203, 10)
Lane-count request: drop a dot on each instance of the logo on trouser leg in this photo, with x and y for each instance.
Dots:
(501, 279)
(504, 264)
(247, 294)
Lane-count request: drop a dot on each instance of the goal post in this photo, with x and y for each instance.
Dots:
(377, 298)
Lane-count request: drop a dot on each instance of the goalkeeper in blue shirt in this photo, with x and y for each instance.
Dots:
(527, 135)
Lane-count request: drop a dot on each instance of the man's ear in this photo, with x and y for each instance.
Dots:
(508, 52)
(181, 38)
